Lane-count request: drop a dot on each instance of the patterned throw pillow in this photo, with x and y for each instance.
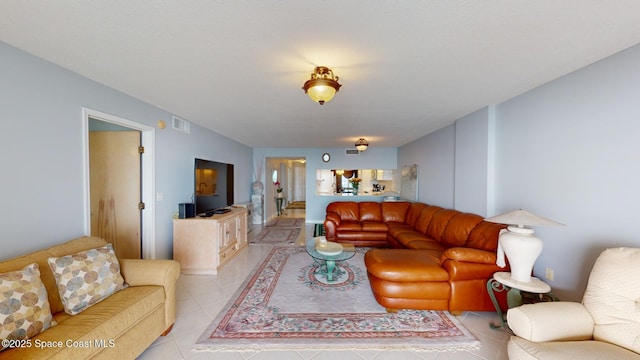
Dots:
(86, 278)
(24, 305)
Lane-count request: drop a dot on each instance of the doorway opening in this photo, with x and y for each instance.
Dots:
(290, 174)
(145, 184)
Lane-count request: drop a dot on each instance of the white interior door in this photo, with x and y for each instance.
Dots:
(300, 187)
(114, 165)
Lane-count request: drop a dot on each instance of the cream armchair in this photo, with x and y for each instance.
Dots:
(606, 325)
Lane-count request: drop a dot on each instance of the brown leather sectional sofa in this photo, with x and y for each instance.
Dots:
(424, 257)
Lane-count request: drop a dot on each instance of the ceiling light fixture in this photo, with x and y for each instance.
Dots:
(322, 86)
(362, 144)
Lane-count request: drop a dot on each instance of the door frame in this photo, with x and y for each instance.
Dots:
(147, 139)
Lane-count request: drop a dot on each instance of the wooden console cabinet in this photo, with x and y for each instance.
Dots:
(202, 245)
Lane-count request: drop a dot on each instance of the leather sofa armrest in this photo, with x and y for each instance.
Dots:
(469, 264)
(333, 216)
(551, 321)
(331, 223)
(468, 255)
(165, 273)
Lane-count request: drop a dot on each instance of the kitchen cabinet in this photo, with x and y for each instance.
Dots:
(384, 175)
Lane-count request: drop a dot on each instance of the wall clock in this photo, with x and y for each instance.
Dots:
(326, 157)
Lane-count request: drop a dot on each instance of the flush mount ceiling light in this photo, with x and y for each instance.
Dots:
(362, 144)
(322, 86)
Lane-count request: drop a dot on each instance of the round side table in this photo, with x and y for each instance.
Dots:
(502, 281)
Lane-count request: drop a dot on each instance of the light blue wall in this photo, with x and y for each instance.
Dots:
(472, 162)
(373, 158)
(567, 150)
(435, 156)
(41, 185)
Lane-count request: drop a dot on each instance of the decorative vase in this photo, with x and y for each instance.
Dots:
(355, 190)
(258, 187)
(522, 249)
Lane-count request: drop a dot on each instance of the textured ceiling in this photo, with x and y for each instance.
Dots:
(407, 68)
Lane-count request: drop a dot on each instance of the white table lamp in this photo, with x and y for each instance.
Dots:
(518, 243)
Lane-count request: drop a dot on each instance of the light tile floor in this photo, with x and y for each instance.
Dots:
(200, 298)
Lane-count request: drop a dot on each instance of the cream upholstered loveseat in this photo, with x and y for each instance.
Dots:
(121, 326)
(606, 325)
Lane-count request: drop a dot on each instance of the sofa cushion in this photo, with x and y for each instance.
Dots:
(87, 277)
(424, 218)
(464, 254)
(519, 348)
(612, 297)
(405, 265)
(370, 211)
(371, 238)
(458, 229)
(24, 305)
(434, 247)
(406, 237)
(397, 228)
(394, 212)
(347, 210)
(350, 226)
(484, 236)
(439, 222)
(374, 226)
(101, 323)
(413, 212)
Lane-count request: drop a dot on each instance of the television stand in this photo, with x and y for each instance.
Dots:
(202, 244)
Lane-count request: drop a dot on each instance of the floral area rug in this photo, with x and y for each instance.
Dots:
(287, 304)
(273, 235)
(297, 205)
(286, 222)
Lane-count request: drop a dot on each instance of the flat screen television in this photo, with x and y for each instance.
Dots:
(213, 187)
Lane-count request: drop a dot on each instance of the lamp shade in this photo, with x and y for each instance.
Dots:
(522, 218)
(320, 93)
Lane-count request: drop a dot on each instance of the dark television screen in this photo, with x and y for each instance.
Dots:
(213, 185)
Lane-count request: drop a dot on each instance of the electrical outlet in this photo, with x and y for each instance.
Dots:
(549, 274)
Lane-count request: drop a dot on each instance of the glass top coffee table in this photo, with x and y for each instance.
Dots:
(328, 254)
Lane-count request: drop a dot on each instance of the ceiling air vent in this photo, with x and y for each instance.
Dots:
(351, 152)
(181, 125)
